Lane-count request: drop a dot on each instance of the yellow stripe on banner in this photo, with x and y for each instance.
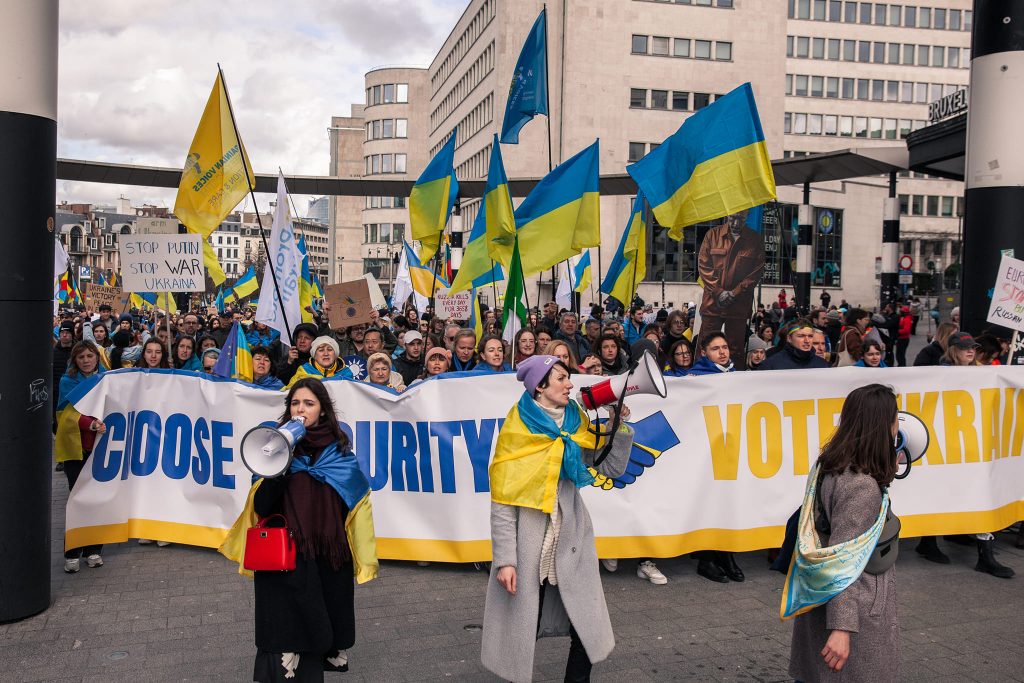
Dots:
(174, 532)
(730, 182)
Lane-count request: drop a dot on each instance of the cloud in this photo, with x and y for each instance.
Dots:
(134, 77)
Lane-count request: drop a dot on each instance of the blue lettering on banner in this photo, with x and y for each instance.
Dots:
(137, 443)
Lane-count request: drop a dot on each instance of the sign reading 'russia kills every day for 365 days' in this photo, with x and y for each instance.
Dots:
(162, 263)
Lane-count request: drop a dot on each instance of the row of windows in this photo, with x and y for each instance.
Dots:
(929, 205)
(483, 65)
(881, 14)
(387, 128)
(907, 54)
(222, 239)
(865, 89)
(476, 166)
(699, 3)
(385, 202)
(481, 116)
(638, 150)
(227, 253)
(663, 46)
(669, 99)
(849, 126)
(476, 26)
(388, 93)
(385, 163)
(386, 233)
(931, 248)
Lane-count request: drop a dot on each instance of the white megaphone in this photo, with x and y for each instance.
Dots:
(267, 451)
(645, 378)
(912, 440)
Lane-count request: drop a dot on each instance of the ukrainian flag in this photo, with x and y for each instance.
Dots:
(582, 273)
(165, 300)
(244, 286)
(477, 268)
(305, 283)
(629, 265)
(475, 321)
(212, 264)
(500, 221)
(562, 215)
(235, 360)
(425, 282)
(715, 165)
(432, 199)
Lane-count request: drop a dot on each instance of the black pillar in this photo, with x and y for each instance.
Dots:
(804, 252)
(890, 284)
(994, 173)
(28, 171)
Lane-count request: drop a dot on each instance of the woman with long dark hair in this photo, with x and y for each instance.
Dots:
(305, 618)
(154, 355)
(856, 631)
(680, 358)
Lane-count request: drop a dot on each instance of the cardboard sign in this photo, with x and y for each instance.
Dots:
(349, 303)
(162, 263)
(97, 295)
(458, 306)
(1007, 307)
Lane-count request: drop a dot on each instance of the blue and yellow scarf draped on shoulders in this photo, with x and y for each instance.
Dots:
(341, 472)
(68, 444)
(817, 574)
(313, 369)
(532, 454)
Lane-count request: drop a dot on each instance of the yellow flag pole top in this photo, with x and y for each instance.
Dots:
(217, 174)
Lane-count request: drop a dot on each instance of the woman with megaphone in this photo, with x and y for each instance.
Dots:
(544, 573)
(305, 614)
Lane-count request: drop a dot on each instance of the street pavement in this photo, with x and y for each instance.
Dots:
(182, 613)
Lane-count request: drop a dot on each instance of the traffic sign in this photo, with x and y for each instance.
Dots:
(906, 262)
(906, 277)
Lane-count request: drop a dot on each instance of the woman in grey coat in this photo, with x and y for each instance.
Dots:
(544, 574)
(855, 635)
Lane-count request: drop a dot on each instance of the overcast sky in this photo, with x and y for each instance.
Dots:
(135, 76)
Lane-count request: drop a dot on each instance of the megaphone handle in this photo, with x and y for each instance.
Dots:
(616, 420)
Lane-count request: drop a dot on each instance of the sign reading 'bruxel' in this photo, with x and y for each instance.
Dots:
(950, 105)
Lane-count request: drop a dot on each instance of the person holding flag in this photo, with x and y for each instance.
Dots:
(235, 360)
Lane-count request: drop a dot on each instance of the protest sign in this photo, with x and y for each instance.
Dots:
(458, 306)
(721, 463)
(162, 263)
(97, 295)
(376, 295)
(1007, 307)
(349, 303)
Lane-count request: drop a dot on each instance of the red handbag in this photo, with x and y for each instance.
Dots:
(269, 549)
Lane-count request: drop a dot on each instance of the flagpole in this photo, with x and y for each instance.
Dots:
(494, 285)
(551, 163)
(255, 207)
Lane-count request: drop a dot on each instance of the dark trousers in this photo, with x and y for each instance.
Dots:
(913, 324)
(578, 666)
(901, 352)
(72, 468)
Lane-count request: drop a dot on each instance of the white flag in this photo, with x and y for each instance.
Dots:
(403, 288)
(286, 261)
(563, 297)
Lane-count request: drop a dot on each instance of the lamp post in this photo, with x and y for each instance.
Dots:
(341, 269)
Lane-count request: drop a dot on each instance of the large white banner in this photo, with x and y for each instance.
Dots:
(721, 463)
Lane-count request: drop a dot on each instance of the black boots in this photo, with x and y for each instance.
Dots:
(727, 563)
(987, 561)
(928, 548)
(718, 566)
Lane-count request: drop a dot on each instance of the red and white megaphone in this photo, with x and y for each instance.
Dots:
(644, 378)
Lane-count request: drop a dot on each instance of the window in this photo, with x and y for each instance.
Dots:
(892, 91)
(818, 48)
(917, 204)
(878, 53)
(939, 18)
(814, 124)
(890, 129)
(386, 163)
(376, 94)
(834, 46)
(878, 90)
(876, 127)
(401, 92)
(831, 124)
(400, 163)
(847, 88)
(817, 86)
(800, 124)
(701, 100)
(681, 47)
(659, 99)
(862, 88)
(904, 128)
(933, 205)
(954, 19)
(880, 12)
(934, 91)
(921, 93)
(865, 12)
(846, 126)
(789, 84)
(860, 126)
(904, 206)
(828, 248)
(832, 87)
(723, 51)
(819, 10)
(789, 46)
(850, 17)
(835, 10)
(787, 123)
(938, 56)
(637, 98)
(922, 55)
(924, 17)
(659, 46)
(910, 17)
(702, 48)
(968, 19)
(636, 151)
(947, 206)
(389, 93)
(953, 58)
(639, 45)
(401, 128)
(849, 50)
(680, 101)
(388, 128)
(908, 54)
(803, 9)
(801, 86)
(894, 53)
(863, 51)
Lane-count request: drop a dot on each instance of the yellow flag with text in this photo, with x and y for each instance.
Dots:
(217, 172)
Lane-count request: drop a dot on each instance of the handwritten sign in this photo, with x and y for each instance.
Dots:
(457, 306)
(1007, 307)
(162, 263)
(97, 295)
(349, 303)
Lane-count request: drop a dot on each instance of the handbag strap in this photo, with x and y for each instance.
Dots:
(263, 522)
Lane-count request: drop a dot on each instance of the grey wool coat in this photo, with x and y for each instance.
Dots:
(867, 608)
(511, 625)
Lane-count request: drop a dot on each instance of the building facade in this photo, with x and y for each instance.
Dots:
(827, 75)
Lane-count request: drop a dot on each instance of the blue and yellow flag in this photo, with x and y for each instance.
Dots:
(528, 91)
(562, 215)
(715, 165)
(500, 220)
(432, 199)
(475, 321)
(212, 264)
(582, 273)
(244, 285)
(305, 283)
(424, 281)
(219, 301)
(477, 268)
(100, 280)
(235, 360)
(629, 265)
(165, 300)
